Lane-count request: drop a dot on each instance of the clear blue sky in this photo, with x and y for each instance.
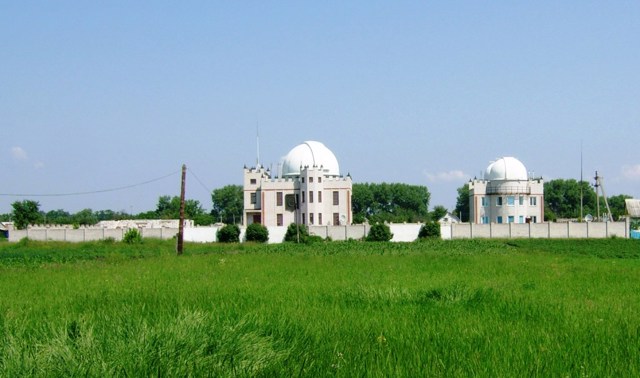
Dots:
(97, 95)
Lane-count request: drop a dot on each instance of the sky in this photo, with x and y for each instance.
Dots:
(103, 95)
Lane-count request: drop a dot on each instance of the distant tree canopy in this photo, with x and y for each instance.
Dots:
(228, 204)
(24, 213)
(438, 212)
(169, 208)
(393, 202)
(462, 203)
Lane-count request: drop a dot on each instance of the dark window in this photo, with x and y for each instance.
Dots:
(253, 181)
(254, 198)
(319, 196)
(336, 198)
(310, 197)
(279, 220)
(319, 179)
(310, 218)
(336, 219)
(303, 195)
(310, 180)
(278, 198)
(320, 218)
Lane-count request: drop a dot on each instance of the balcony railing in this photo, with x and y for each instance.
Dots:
(508, 189)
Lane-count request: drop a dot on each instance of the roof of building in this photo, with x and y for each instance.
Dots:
(506, 168)
(633, 207)
(310, 154)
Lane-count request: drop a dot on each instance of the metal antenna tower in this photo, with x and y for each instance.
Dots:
(599, 184)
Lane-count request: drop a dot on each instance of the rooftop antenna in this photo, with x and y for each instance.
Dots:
(257, 146)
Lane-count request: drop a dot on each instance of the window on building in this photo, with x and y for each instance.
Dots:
(320, 218)
(303, 180)
(303, 196)
(510, 219)
(304, 218)
(511, 200)
(279, 220)
(278, 198)
(253, 181)
(485, 202)
(310, 218)
(484, 220)
(521, 200)
(254, 198)
(499, 219)
(336, 219)
(498, 201)
(319, 179)
(336, 198)
(521, 219)
(310, 180)
(310, 196)
(533, 201)
(319, 196)
(534, 219)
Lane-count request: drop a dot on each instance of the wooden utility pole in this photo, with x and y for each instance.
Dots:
(180, 245)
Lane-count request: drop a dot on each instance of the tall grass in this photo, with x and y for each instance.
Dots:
(461, 308)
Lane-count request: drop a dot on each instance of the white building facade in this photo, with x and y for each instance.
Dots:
(506, 194)
(310, 190)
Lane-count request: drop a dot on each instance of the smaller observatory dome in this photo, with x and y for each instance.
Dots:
(506, 168)
(310, 154)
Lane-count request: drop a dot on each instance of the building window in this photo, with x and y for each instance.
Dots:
(303, 196)
(253, 181)
(303, 180)
(498, 201)
(521, 219)
(533, 201)
(254, 198)
(320, 218)
(278, 198)
(336, 198)
(310, 218)
(485, 202)
(310, 180)
(304, 218)
(319, 196)
(499, 219)
(534, 219)
(484, 220)
(336, 219)
(521, 200)
(510, 219)
(310, 196)
(279, 220)
(511, 200)
(319, 180)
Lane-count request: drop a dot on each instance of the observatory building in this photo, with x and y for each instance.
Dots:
(309, 190)
(506, 194)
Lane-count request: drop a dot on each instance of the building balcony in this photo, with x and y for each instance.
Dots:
(508, 189)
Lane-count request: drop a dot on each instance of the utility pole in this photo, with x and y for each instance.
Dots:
(180, 245)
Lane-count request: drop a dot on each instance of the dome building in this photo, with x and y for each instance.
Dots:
(308, 190)
(506, 194)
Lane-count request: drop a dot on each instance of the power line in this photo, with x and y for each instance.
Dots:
(89, 192)
(199, 181)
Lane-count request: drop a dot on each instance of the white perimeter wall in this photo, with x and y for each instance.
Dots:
(401, 232)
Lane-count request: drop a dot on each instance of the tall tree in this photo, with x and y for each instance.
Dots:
(393, 202)
(438, 212)
(462, 203)
(25, 212)
(228, 204)
(562, 199)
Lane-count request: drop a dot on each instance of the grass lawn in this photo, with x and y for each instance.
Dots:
(440, 308)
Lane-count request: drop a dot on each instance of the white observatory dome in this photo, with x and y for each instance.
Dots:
(311, 154)
(506, 168)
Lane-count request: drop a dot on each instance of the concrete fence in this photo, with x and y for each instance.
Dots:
(401, 232)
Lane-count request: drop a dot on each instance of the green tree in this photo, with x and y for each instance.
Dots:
(379, 232)
(438, 212)
(229, 233)
(386, 202)
(618, 205)
(85, 218)
(57, 217)
(429, 230)
(228, 204)
(257, 232)
(562, 199)
(296, 233)
(169, 208)
(24, 213)
(462, 203)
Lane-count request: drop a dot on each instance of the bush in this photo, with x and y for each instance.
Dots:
(429, 230)
(257, 232)
(379, 232)
(296, 232)
(132, 236)
(229, 233)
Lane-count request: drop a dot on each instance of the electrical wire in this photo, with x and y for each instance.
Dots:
(199, 181)
(89, 192)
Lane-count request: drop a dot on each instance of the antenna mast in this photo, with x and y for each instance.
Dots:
(257, 146)
(600, 185)
(581, 189)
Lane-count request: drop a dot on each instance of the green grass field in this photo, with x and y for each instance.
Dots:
(443, 308)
